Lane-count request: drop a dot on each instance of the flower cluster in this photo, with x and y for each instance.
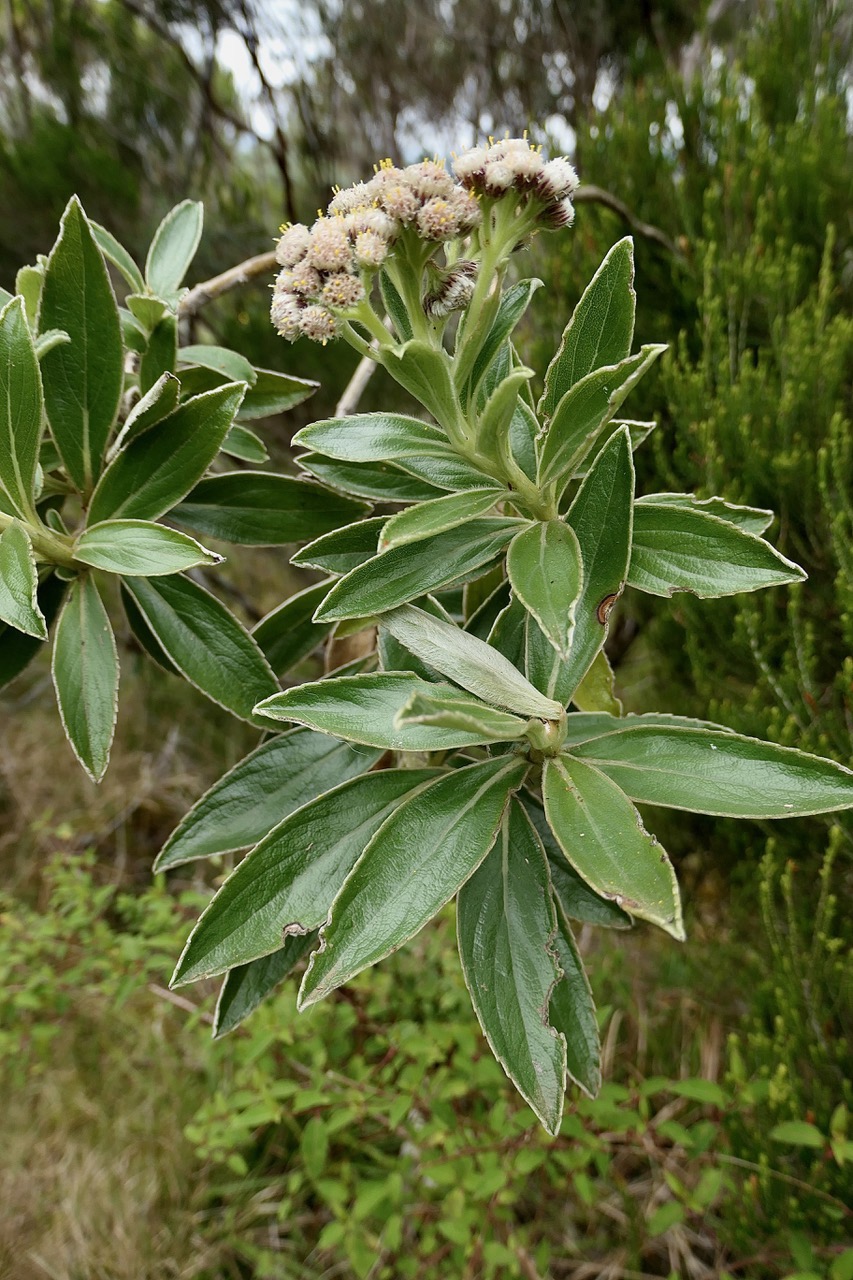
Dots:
(512, 164)
(327, 270)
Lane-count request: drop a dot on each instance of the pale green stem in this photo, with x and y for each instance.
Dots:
(47, 545)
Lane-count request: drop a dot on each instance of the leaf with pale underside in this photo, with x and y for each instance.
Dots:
(86, 675)
(709, 769)
(603, 837)
(373, 437)
(418, 859)
(367, 708)
(173, 248)
(140, 548)
(679, 548)
(544, 567)
(468, 715)
(253, 797)
(447, 512)
(19, 607)
(287, 883)
(505, 925)
(751, 519)
(571, 1011)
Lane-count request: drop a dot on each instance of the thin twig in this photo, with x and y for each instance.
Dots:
(590, 194)
(180, 1002)
(201, 294)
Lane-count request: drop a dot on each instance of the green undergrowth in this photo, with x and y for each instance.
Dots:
(349, 1141)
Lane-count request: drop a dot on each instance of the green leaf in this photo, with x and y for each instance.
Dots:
(798, 1133)
(83, 379)
(395, 307)
(493, 426)
(698, 1090)
(205, 642)
(48, 340)
(523, 434)
(367, 708)
(288, 634)
(468, 715)
(573, 894)
(472, 664)
(402, 573)
(173, 248)
(373, 437)
(287, 883)
(262, 789)
(425, 373)
(601, 518)
(416, 862)
(679, 549)
(256, 508)
(232, 366)
(751, 519)
(601, 328)
(248, 985)
(513, 304)
(583, 413)
(85, 676)
(274, 393)
(5, 297)
(246, 445)
(544, 567)
(712, 770)
(584, 726)
(147, 310)
(342, 549)
(143, 634)
(379, 481)
(17, 650)
(28, 285)
(19, 583)
(118, 256)
(161, 353)
(604, 839)
(597, 691)
(140, 548)
(133, 334)
(158, 468)
(21, 408)
(571, 1011)
(158, 402)
(428, 518)
(505, 924)
(449, 472)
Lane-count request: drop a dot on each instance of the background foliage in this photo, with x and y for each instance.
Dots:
(718, 1145)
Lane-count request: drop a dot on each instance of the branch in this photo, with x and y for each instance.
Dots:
(201, 294)
(590, 194)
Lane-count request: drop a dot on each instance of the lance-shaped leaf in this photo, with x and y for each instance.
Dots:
(158, 402)
(253, 797)
(173, 248)
(85, 676)
(342, 549)
(468, 715)
(83, 378)
(402, 573)
(751, 519)
(373, 437)
(429, 518)
(254, 508)
(19, 606)
(712, 770)
(230, 364)
(601, 517)
(366, 708)
(603, 837)
(493, 426)
(416, 862)
(505, 924)
(523, 434)
(248, 985)
(395, 306)
(471, 663)
(544, 567)
(288, 634)
(140, 548)
(17, 650)
(21, 408)
(571, 1011)
(378, 481)
(583, 727)
(161, 352)
(597, 690)
(287, 883)
(274, 393)
(159, 467)
(116, 253)
(246, 445)
(584, 411)
(601, 328)
(513, 305)
(205, 642)
(425, 373)
(679, 549)
(573, 894)
(451, 472)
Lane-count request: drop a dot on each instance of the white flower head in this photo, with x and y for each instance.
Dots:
(284, 313)
(559, 179)
(342, 291)
(330, 249)
(301, 278)
(429, 179)
(469, 164)
(292, 245)
(318, 324)
(371, 249)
